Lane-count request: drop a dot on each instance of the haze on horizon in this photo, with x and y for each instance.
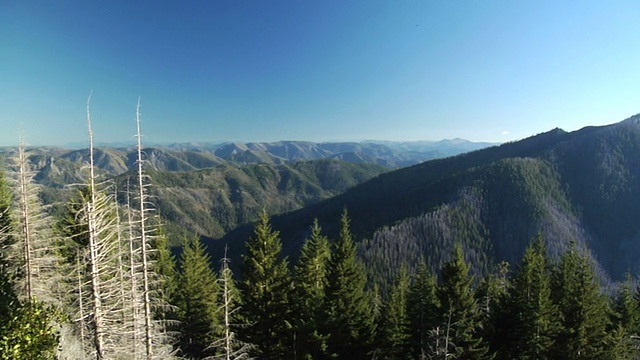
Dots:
(315, 70)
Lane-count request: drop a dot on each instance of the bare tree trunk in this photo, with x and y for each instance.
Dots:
(132, 276)
(81, 320)
(25, 217)
(93, 248)
(144, 243)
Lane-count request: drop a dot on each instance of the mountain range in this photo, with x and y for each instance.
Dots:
(212, 188)
(579, 187)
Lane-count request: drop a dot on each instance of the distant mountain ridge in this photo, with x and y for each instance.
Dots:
(581, 186)
(193, 156)
(343, 165)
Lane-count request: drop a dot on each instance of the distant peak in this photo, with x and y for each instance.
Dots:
(556, 131)
(635, 119)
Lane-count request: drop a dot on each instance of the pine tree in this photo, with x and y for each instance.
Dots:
(528, 323)
(349, 315)
(266, 289)
(491, 294)
(196, 300)
(459, 311)
(583, 309)
(623, 331)
(423, 309)
(394, 331)
(165, 268)
(310, 279)
(626, 308)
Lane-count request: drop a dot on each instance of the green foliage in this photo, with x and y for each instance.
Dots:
(165, 267)
(459, 312)
(266, 288)
(394, 331)
(528, 324)
(74, 232)
(423, 308)
(215, 201)
(583, 309)
(626, 309)
(490, 294)
(310, 279)
(349, 315)
(27, 331)
(197, 300)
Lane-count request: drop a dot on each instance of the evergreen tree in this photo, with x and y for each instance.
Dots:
(583, 309)
(624, 327)
(528, 323)
(423, 309)
(491, 294)
(196, 299)
(395, 331)
(460, 316)
(266, 289)
(165, 268)
(349, 315)
(626, 310)
(310, 279)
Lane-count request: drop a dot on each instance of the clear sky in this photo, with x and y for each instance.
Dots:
(261, 70)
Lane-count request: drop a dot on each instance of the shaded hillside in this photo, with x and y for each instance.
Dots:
(581, 186)
(57, 168)
(213, 201)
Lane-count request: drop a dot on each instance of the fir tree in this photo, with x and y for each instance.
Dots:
(266, 289)
(626, 310)
(459, 311)
(491, 294)
(310, 279)
(394, 331)
(196, 299)
(583, 309)
(423, 309)
(622, 333)
(349, 315)
(528, 323)
(165, 268)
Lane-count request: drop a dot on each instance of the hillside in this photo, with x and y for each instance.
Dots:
(212, 202)
(58, 167)
(213, 214)
(580, 187)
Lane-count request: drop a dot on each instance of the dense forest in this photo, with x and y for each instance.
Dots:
(579, 188)
(81, 293)
(487, 255)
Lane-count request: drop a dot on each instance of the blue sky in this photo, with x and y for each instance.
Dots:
(315, 70)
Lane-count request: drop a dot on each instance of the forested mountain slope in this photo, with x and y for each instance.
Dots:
(581, 187)
(212, 214)
(212, 202)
